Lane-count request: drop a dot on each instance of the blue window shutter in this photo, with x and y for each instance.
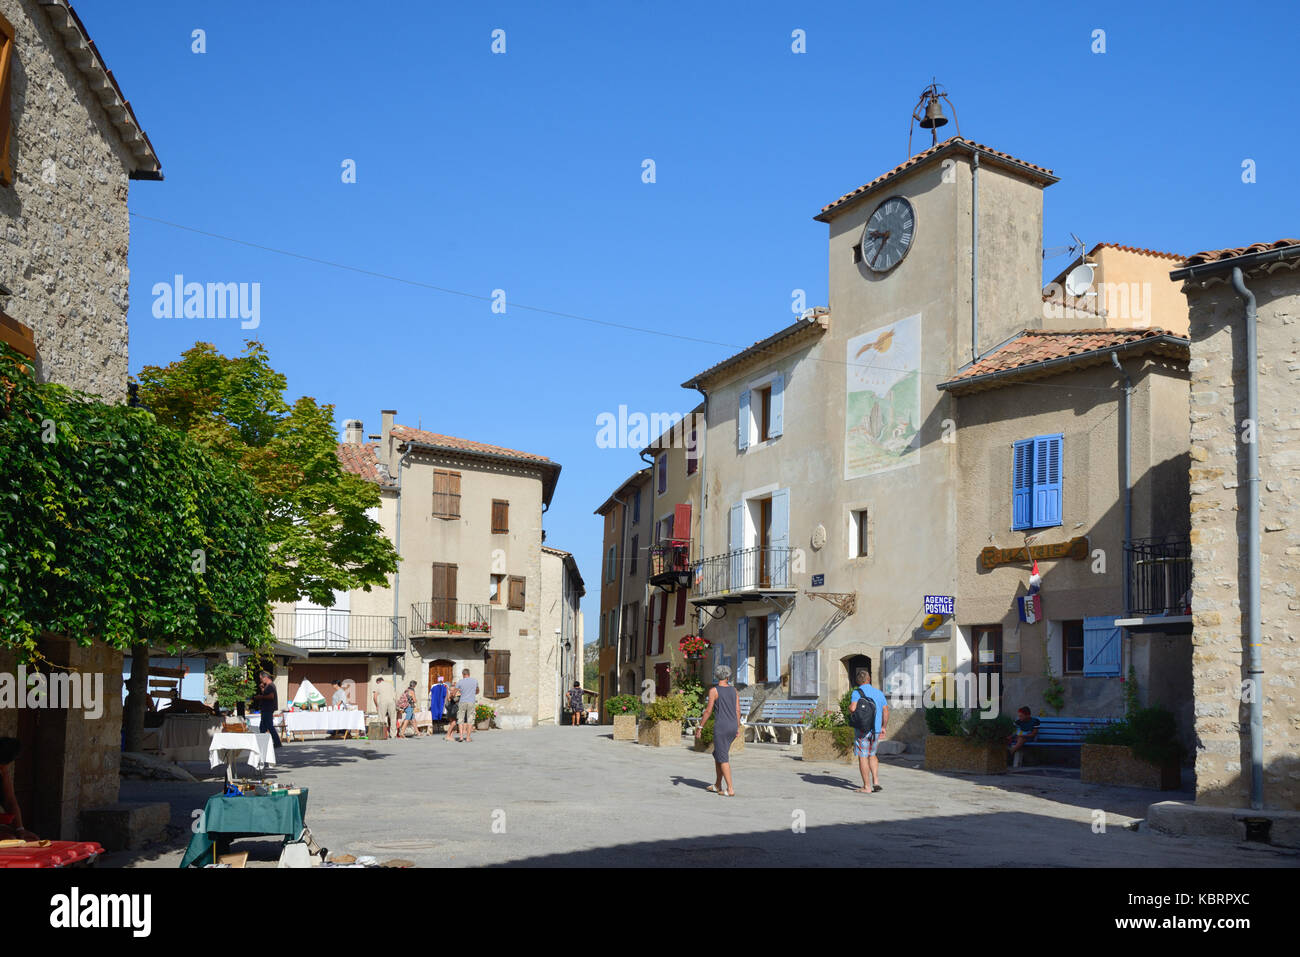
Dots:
(737, 570)
(1047, 481)
(773, 647)
(777, 420)
(742, 652)
(779, 562)
(742, 422)
(1022, 482)
(1101, 647)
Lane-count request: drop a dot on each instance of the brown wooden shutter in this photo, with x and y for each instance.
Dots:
(517, 595)
(6, 115)
(489, 675)
(679, 615)
(444, 592)
(453, 493)
(663, 621)
(500, 517)
(439, 494)
(496, 676)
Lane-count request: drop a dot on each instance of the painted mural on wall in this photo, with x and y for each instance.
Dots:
(883, 414)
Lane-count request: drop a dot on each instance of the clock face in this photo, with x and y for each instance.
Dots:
(888, 234)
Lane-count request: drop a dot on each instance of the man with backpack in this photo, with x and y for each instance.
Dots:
(869, 715)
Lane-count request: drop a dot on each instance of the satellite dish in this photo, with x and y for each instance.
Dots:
(1079, 281)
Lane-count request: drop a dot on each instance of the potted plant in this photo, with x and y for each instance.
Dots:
(230, 685)
(483, 715)
(693, 646)
(975, 745)
(1142, 751)
(663, 721)
(829, 737)
(624, 709)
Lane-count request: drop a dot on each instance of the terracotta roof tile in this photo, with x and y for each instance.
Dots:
(1214, 255)
(1139, 250)
(955, 141)
(1035, 346)
(405, 433)
(363, 459)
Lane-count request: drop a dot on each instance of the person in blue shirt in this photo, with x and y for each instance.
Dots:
(864, 746)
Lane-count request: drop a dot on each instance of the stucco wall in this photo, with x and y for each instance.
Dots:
(1218, 504)
(64, 254)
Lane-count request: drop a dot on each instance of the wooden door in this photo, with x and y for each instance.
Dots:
(442, 668)
(986, 657)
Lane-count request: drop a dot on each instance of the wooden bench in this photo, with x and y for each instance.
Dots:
(1063, 733)
(781, 713)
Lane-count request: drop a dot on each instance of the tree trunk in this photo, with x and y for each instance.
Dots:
(136, 700)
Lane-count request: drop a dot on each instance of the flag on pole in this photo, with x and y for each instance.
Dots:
(1031, 605)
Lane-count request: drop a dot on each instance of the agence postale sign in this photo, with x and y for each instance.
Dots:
(1076, 548)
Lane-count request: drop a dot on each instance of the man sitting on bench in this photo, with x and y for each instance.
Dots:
(1026, 731)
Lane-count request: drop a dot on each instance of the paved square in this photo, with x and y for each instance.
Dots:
(575, 797)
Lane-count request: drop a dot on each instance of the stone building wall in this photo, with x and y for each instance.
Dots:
(1218, 475)
(65, 225)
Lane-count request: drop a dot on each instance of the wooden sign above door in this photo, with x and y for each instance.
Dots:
(1076, 548)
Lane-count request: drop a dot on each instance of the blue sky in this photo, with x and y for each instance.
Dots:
(523, 172)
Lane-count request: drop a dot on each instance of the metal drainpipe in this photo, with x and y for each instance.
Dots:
(1126, 466)
(622, 580)
(1252, 536)
(398, 548)
(975, 256)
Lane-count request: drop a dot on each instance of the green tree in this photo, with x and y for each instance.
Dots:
(117, 529)
(321, 538)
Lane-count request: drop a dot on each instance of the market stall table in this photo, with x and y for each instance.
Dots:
(227, 747)
(226, 819)
(304, 722)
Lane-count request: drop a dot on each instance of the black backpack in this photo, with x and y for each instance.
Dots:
(863, 717)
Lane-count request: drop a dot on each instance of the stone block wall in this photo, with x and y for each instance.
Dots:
(64, 221)
(1220, 656)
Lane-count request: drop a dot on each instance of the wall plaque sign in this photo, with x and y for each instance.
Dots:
(1075, 548)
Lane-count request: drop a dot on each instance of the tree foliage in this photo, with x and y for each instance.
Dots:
(322, 540)
(113, 527)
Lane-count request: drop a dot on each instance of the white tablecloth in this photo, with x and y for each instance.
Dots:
(189, 730)
(226, 747)
(301, 721)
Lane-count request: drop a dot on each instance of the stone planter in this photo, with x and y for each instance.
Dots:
(513, 722)
(947, 753)
(624, 727)
(819, 745)
(660, 734)
(1117, 764)
(737, 745)
(483, 725)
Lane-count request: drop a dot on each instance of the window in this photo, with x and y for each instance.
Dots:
(1036, 482)
(693, 453)
(859, 533)
(757, 641)
(1072, 647)
(609, 565)
(804, 674)
(679, 613)
(663, 679)
(1101, 647)
(446, 494)
(663, 473)
(636, 507)
(516, 602)
(496, 674)
(764, 414)
(500, 517)
(443, 593)
(494, 589)
(6, 119)
(761, 414)
(636, 548)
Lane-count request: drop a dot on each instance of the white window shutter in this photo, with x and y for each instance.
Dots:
(742, 422)
(742, 652)
(780, 557)
(774, 647)
(737, 542)
(776, 422)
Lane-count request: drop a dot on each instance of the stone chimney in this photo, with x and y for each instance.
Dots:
(352, 431)
(386, 436)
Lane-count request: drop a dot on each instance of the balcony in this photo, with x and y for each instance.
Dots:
(1159, 574)
(670, 564)
(743, 574)
(446, 618)
(339, 632)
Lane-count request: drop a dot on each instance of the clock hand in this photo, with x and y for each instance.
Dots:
(883, 238)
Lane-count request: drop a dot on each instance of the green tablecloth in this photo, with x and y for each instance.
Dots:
(251, 816)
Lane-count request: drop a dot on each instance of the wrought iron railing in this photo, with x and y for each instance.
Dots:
(742, 570)
(1160, 576)
(670, 558)
(330, 629)
(444, 616)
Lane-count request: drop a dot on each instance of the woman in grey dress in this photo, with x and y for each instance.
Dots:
(726, 723)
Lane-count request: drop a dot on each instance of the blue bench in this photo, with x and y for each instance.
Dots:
(1063, 733)
(781, 713)
(745, 705)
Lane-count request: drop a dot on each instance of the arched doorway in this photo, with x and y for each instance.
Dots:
(631, 686)
(851, 665)
(444, 669)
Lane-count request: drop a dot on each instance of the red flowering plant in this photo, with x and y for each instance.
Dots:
(693, 645)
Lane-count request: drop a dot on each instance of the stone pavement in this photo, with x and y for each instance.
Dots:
(575, 797)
